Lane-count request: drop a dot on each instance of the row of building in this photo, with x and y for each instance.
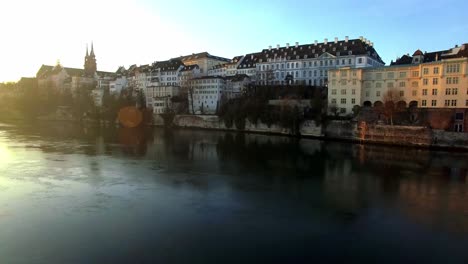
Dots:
(350, 69)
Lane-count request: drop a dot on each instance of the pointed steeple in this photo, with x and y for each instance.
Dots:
(92, 49)
(87, 50)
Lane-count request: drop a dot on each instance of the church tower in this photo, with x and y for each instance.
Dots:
(90, 66)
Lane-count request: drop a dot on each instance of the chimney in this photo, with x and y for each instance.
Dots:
(336, 40)
(315, 42)
(437, 57)
(346, 39)
(277, 46)
(269, 47)
(287, 45)
(297, 44)
(325, 41)
(251, 57)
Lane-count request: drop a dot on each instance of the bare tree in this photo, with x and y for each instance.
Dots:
(391, 99)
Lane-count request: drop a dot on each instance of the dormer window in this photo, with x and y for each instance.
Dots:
(345, 47)
(323, 50)
(350, 52)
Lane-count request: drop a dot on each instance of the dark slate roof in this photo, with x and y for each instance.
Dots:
(236, 59)
(417, 53)
(219, 66)
(249, 60)
(169, 65)
(190, 67)
(340, 48)
(208, 77)
(453, 53)
(405, 59)
(237, 77)
(202, 55)
(47, 70)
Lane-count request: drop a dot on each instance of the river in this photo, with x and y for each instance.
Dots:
(70, 194)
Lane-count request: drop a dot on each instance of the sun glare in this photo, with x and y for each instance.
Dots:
(5, 155)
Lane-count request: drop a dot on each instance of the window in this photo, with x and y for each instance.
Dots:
(344, 73)
(343, 91)
(367, 94)
(453, 68)
(434, 91)
(343, 110)
(359, 60)
(389, 85)
(378, 85)
(402, 84)
(377, 93)
(402, 74)
(423, 102)
(425, 81)
(414, 92)
(333, 101)
(402, 93)
(436, 70)
(434, 103)
(466, 102)
(425, 71)
(390, 75)
(424, 92)
(435, 81)
(446, 102)
(415, 73)
(459, 116)
(343, 101)
(454, 103)
(378, 76)
(447, 91)
(354, 82)
(353, 91)
(353, 100)
(414, 84)
(333, 91)
(455, 80)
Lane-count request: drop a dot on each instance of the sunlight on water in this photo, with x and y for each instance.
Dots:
(5, 155)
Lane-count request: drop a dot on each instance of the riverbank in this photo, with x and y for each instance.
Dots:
(413, 136)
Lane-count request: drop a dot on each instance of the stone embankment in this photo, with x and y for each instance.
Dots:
(340, 130)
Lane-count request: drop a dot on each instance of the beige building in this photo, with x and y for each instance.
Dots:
(427, 80)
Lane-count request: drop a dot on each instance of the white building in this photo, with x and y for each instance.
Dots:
(205, 94)
(309, 64)
(117, 85)
(236, 85)
(159, 97)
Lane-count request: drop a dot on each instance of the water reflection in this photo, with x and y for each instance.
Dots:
(191, 180)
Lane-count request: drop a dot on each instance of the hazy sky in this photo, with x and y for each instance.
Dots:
(140, 32)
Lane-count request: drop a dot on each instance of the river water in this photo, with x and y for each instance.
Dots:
(85, 195)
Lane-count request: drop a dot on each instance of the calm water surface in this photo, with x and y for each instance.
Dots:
(81, 195)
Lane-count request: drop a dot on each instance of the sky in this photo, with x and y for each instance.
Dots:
(141, 32)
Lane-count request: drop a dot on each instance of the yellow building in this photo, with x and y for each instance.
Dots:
(426, 80)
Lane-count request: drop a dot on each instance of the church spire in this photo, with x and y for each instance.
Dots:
(87, 50)
(92, 49)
